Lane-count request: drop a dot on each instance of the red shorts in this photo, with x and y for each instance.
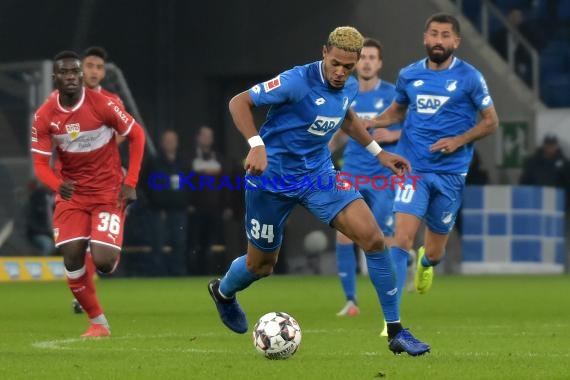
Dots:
(88, 219)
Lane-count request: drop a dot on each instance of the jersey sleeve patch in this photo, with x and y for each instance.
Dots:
(272, 84)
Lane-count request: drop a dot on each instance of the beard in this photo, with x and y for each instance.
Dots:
(437, 56)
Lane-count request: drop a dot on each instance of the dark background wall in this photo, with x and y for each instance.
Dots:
(184, 59)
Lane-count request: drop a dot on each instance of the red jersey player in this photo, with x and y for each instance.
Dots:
(93, 67)
(92, 191)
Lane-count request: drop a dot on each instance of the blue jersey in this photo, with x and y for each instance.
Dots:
(441, 103)
(357, 160)
(305, 112)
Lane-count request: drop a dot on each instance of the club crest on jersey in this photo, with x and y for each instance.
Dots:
(451, 85)
(323, 125)
(73, 130)
(379, 104)
(272, 84)
(430, 104)
(446, 217)
(345, 103)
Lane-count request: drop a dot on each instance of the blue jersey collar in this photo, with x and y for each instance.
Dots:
(453, 61)
(321, 68)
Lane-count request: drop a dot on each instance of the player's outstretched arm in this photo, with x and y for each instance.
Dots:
(241, 107)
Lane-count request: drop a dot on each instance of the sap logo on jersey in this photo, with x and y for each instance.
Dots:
(322, 125)
(430, 104)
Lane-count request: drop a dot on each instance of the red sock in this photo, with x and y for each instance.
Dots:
(83, 288)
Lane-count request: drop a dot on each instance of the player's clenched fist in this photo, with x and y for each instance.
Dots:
(256, 160)
(398, 164)
(66, 190)
(127, 195)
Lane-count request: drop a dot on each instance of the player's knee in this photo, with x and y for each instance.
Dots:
(404, 240)
(107, 264)
(372, 241)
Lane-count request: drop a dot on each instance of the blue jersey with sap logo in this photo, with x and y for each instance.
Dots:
(357, 160)
(305, 112)
(441, 103)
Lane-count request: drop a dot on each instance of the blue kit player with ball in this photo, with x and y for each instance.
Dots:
(308, 104)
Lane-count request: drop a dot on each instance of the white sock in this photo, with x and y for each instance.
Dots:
(101, 320)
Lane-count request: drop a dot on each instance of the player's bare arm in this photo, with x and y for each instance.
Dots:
(385, 136)
(241, 110)
(392, 115)
(487, 125)
(353, 127)
(338, 140)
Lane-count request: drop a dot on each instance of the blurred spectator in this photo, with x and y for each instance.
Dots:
(210, 203)
(39, 229)
(528, 29)
(548, 167)
(168, 207)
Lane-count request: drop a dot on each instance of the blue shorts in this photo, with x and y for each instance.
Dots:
(266, 212)
(381, 203)
(435, 198)
(378, 192)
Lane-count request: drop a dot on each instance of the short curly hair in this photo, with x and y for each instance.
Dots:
(346, 38)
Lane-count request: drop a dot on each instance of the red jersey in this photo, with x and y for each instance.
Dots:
(84, 139)
(99, 89)
(110, 95)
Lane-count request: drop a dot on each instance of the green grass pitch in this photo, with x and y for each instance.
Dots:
(480, 327)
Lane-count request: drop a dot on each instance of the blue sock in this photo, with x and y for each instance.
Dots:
(428, 263)
(381, 273)
(237, 278)
(346, 266)
(400, 260)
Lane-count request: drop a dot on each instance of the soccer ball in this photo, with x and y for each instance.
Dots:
(277, 335)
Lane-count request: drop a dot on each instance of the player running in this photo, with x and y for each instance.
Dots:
(92, 191)
(439, 98)
(308, 104)
(93, 67)
(374, 96)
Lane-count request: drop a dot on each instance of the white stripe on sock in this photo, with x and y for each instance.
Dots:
(75, 274)
(100, 320)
